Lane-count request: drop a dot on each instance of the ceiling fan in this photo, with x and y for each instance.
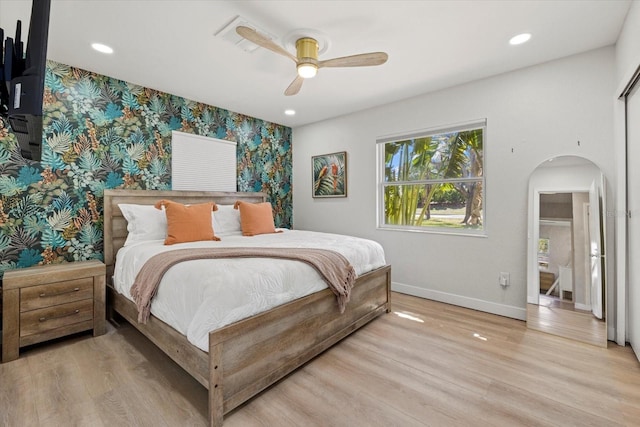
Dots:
(306, 59)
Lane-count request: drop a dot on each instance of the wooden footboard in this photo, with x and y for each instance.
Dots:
(171, 342)
(248, 356)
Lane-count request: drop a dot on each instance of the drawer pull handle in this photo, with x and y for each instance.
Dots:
(44, 319)
(43, 295)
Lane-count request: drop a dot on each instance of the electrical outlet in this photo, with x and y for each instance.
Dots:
(504, 279)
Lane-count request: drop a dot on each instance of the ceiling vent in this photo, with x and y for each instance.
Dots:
(229, 34)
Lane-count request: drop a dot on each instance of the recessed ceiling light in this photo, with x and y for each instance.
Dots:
(102, 48)
(520, 38)
(290, 112)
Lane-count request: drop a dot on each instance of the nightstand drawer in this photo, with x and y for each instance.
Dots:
(57, 293)
(59, 316)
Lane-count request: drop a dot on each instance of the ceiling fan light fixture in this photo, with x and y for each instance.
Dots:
(307, 70)
(306, 59)
(307, 53)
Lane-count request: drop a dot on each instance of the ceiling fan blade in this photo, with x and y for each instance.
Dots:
(361, 60)
(294, 87)
(257, 38)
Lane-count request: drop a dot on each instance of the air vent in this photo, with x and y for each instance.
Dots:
(229, 34)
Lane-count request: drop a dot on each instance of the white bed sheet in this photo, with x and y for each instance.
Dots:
(196, 297)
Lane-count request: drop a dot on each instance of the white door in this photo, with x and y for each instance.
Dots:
(633, 222)
(595, 252)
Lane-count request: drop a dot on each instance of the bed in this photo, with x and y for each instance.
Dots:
(246, 356)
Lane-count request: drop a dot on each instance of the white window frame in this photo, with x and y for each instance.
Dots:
(381, 184)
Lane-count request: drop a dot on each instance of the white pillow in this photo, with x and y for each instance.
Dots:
(226, 220)
(144, 222)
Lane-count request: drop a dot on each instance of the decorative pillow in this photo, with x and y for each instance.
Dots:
(144, 222)
(188, 223)
(226, 220)
(256, 218)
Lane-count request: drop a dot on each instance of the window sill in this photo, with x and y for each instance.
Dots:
(449, 232)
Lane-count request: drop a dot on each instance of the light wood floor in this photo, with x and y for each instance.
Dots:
(427, 364)
(554, 318)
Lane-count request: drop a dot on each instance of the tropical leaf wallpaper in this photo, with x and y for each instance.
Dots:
(101, 133)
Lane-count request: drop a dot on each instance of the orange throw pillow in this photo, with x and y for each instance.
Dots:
(256, 218)
(187, 223)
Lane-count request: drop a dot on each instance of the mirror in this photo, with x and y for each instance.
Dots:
(566, 264)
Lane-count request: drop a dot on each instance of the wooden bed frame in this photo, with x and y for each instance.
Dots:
(247, 356)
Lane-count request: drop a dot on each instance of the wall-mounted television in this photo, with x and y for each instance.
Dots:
(22, 80)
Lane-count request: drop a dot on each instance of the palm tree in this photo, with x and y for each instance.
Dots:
(446, 156)
(406, 161)
(472, 140)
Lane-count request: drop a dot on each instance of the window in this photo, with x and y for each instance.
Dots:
(433, 180)
(202, 163)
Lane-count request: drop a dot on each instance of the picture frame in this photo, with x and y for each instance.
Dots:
(543, 246)
(329, 175)
(543, 252)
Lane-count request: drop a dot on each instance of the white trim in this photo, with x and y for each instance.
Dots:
(533, 234)
(620, 214)
(634, 78)
(462, 301)
(379, 187)
(620, 220)
(202, 137)
(585, 307)
(587, 257)
(454, 127)
(556, 222)
(433, 230)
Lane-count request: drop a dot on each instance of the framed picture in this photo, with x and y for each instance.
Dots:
(329, 175)
(543, 252)
(543, 246)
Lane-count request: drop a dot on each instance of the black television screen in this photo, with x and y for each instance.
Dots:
(23, 74)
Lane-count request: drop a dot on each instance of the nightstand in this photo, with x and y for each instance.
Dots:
(45, 302)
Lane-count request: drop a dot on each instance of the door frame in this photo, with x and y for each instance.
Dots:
(621, 206)
(533, 276)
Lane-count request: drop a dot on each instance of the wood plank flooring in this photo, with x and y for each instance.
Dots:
(569, 323)
(426, 364)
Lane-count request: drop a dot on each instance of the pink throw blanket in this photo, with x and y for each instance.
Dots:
(334, 268)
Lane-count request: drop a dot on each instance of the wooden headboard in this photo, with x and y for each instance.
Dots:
(115, 226)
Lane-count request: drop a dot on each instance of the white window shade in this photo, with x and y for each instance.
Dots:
(202, 163)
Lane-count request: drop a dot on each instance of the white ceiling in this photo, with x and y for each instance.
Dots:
(171, 46)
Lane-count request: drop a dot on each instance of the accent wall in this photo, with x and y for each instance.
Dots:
(101, 133)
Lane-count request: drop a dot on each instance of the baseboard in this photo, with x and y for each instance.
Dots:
(462, 301)
(584, 307)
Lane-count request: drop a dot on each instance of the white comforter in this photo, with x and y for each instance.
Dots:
(196, 297)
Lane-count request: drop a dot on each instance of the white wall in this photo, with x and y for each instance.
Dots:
(628, 44)
(532, 114)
